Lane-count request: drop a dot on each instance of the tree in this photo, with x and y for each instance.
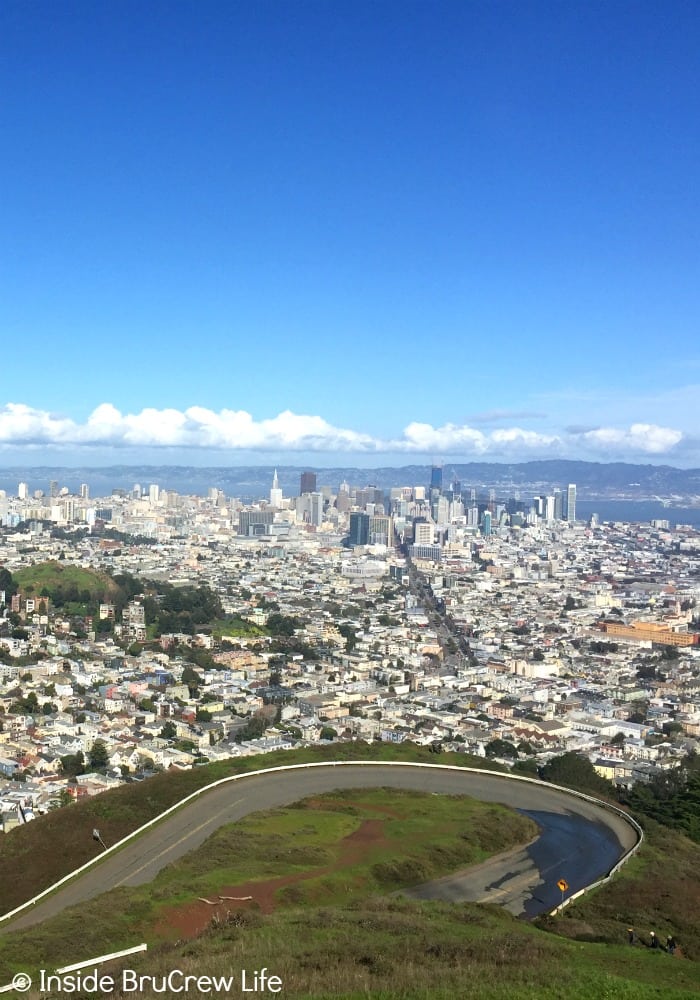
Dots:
(348, 633)
(328, 733)
(577, 772)
(192, 679)
(168, 731)
(253, 729)
(528, 768)
(500, 748)
(618, 740)
(98, 756)
(73, 764)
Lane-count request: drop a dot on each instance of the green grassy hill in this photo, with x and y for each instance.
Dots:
(73, 583)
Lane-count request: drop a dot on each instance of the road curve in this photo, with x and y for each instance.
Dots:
(579, 840)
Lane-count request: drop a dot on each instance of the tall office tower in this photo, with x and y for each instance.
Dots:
(84, 491)
(442, 512)
(473, 516)
(436, 479)
(549, 505)
(558, 505)
(359, 529)
(381, 530)
(486, 524)
(308, 482)
(153, 493)
(53, 488)
(456, 508)
(275, 492)
(316, 509)
(23, 491)
(136, 491)
(571, 503)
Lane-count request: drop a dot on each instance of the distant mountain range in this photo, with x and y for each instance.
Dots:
(594, 480)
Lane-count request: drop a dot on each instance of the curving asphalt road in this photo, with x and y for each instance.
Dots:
(579, 841)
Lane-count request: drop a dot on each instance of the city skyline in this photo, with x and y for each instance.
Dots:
(391, 233)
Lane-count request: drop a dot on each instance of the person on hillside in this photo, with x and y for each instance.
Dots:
(631, 936)
(653, 940)
(671, 944)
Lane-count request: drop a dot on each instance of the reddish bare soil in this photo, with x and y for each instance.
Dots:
(191, 919)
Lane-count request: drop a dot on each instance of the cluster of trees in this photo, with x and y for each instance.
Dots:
(603, 647)
(671, 798)
(181, 609)
(73, 764)
(282, 625)
(574, 771)
(30, 706)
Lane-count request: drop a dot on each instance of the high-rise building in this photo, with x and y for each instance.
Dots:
(84, 491)
(436, 478)
(316, 509)
(381, 530)
(53, 488)
(359, 529)
(423, 532)
(308, 482)
(571, 503)
(275, 492)
(558, 505)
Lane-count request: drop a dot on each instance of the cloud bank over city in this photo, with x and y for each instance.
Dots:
(23, 429)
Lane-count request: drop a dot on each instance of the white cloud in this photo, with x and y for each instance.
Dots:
(197, 427)
(645, 438)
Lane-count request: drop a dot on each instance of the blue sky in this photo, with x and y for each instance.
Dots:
(375, 231)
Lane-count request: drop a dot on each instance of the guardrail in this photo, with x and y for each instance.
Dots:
(338, 763)
(21, 983)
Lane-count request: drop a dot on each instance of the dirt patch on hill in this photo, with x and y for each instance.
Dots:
(191, 919)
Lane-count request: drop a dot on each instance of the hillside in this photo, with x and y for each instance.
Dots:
(325, 939)
(65, 583)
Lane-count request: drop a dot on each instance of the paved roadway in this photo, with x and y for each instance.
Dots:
(579, 841)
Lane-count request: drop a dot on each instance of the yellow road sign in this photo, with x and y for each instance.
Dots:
(563, 884)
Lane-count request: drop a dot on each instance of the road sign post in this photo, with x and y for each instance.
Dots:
(563, 885)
